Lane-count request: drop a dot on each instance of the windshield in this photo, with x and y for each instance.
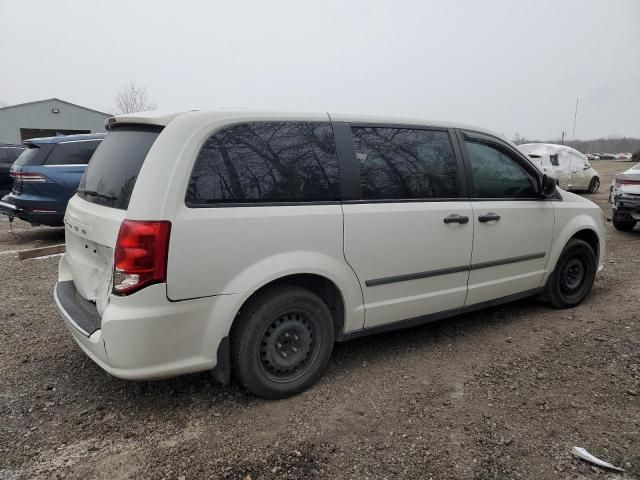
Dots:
(114, 167)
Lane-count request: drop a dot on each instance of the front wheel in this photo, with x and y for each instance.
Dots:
(594, 185)
(573, 277)
(624, 225)
(281, 342)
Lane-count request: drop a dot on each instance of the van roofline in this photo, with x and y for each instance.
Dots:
(164, 118)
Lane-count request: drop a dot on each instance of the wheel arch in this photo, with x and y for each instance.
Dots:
(322, 286)
(583, 227)
(345, 315)
(591, 237)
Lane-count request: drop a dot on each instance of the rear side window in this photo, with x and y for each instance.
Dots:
(110, 177)
(72, 153)
(33, 155)
(266, 162)
(554, 160)
(403, 163)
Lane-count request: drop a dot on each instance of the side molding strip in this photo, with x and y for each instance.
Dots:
(415, 276)
(507, 261)
(447, 271)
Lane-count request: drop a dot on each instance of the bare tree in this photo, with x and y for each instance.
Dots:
(133, 98)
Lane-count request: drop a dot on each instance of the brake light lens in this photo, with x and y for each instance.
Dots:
(140, 256)
(620, 182)
(28, 176)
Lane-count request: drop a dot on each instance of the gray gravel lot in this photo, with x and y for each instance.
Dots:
(500, 394)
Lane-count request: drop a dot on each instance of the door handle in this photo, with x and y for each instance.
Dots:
(489, 217)
(455, 218)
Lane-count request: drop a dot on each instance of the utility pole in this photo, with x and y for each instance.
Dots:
(562, 141)
(575, 119)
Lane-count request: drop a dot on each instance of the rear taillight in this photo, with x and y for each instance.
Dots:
(620, 182)
(140, 256)
(28, 176)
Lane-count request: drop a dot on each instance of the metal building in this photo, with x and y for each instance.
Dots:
(47, 118)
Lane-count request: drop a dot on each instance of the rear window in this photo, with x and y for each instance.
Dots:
(72, 153)
(266, 162)
(31, 156)
(112, 173)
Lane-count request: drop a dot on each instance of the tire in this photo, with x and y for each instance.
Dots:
(281, 342)
(573, 277)
(624, 225)
(594, 185)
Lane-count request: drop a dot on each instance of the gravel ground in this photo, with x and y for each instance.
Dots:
(505, 393)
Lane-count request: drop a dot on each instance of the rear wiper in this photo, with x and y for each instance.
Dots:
(97, 194)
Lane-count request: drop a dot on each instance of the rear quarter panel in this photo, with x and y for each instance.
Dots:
(236, 250)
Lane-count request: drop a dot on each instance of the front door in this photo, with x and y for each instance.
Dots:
(408, 236)
(513, 227)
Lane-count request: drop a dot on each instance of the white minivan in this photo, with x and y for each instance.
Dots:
(248, 243)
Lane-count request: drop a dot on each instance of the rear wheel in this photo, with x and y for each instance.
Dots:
(281, 342)
(624, 225)
(594, 185)
(573, 277)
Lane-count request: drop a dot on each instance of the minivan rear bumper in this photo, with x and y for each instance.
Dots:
(145, 336)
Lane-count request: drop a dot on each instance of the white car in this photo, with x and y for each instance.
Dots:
(248, 243)
(625, 197)
(568, 165)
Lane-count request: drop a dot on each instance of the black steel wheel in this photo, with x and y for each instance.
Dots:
(594, 185)
(281, 342)
(288, 345)
(573, 277)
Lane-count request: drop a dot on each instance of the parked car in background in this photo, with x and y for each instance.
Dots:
(625, 197)
(8, 155)
(249, 242)
(568, 165)
(592, 156)
(624, 156)
(607, 156)
(46, 175)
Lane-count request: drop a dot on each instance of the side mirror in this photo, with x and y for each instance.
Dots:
(548, 186)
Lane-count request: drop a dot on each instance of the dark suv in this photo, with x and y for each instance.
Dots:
(46, 175)
(8, 155)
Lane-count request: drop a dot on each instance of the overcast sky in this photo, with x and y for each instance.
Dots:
(512, 66)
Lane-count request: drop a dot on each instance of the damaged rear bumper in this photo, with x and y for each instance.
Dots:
(144, 336)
